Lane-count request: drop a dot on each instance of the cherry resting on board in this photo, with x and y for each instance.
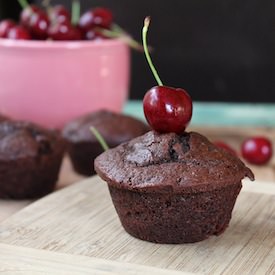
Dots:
(166, 109)
(257, 150)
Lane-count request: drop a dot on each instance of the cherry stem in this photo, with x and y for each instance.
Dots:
(23, 3)
(145, 46)
(75, 12)
(115, 27)
(99, 138)
(117, 32)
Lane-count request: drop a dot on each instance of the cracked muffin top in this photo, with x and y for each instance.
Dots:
(170, 163)
(20, 139)
(115, 128)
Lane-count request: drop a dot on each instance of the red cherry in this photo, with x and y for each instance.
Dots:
(167, 109)
(27, 13)
(59, 14)
(38, 25)
(257, 150)
(98, 17)
(5, 26)
(18, 33)
(64, 31)
(225, 146)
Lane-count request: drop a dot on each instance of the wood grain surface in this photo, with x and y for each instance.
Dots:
(80, 220)
(20, 260)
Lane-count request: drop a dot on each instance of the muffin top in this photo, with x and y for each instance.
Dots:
(23, 140)
(115, 128)
(3, 118)
(170, 163)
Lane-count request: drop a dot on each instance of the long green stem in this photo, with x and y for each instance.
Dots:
(115, 33)
(100, 138)
(23, 3)
(75, 12)
(115, 27)
(145, 46)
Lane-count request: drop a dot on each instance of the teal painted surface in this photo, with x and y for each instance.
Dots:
(225, 114)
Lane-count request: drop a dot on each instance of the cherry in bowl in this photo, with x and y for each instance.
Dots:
(5, 27)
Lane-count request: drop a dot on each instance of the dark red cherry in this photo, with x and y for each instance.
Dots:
(257, 150)
(225, 146)
(27, 13)
(64, 31)
(167, 109)
(59, 14)
(19, 33)
(98, 17)
(38, 25)
(5, 26)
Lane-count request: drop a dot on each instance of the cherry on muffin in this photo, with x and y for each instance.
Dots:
(166, 109)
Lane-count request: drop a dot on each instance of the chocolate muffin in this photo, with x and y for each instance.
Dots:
(30, 159)
(170, 188)
(3, 118)
(82, 145)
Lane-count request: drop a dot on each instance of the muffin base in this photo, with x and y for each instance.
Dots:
(82, 156)
(175, 218)
(29, 178)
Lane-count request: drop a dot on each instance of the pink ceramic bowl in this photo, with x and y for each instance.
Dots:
(50, 82)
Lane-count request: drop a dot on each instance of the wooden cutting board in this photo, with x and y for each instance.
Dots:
(76, 231)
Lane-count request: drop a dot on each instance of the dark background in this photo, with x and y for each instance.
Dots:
(218, 50)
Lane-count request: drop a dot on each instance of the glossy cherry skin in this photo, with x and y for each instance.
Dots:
(257, 150)
(27, 13)
(167, 109)
(18, 33)
(98, 17)
(225, 146)
(38, 25)
(59, 14)
(5, 26)
(64, 31)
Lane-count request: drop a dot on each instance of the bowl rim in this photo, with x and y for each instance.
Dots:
(49, 44)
